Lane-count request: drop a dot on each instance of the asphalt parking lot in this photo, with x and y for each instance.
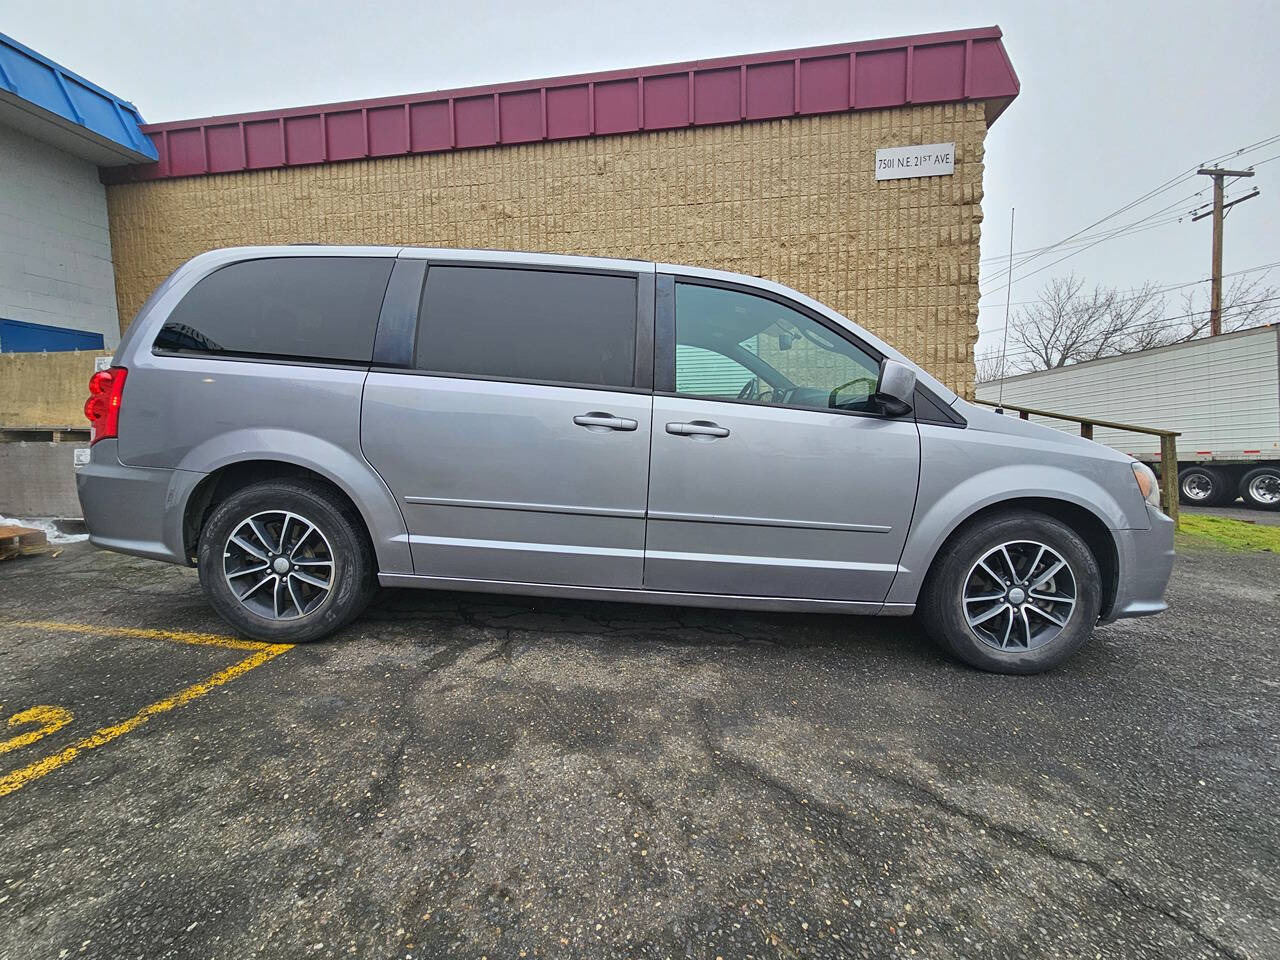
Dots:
(473, 776)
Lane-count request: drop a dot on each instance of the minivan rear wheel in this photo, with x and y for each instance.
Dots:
(286, 561)
(1019, 593)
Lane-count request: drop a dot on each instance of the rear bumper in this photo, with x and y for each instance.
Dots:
(1146, 561)
(136, 510)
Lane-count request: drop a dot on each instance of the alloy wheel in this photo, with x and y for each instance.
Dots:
(1019, 595)
(279, 565)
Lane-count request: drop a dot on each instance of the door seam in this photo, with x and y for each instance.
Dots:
(915, 504)
(378, 473)
(648, 488)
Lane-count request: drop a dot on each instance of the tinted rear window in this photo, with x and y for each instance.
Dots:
(306, 308)
(535, 325)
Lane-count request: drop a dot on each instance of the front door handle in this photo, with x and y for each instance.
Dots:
(697, 428)
(604, 421)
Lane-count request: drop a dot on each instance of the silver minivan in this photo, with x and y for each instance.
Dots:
(305, 423)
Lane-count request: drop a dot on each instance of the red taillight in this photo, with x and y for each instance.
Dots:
(102, 409)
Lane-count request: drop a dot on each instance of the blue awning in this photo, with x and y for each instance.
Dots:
(49, 102)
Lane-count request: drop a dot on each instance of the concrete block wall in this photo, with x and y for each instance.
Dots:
(794, 200)
(39, 479)
(55, 247)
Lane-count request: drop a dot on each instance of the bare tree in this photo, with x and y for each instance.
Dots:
(1246, 302)
(1069, 324)
(990, 365)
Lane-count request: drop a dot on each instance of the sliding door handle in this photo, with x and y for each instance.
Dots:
(697, 428)
(604, 421)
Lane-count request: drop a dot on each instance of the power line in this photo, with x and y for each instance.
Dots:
(1139, 292)
(1167, 185)
(1247, 149)
(1060, 259)
(1138, 228)
(1084, 238)
(1108, 235)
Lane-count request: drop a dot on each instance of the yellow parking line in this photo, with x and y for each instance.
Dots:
(17, 779)
(51, 720)
(179, 636)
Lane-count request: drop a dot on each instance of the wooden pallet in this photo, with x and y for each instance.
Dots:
(22, 542)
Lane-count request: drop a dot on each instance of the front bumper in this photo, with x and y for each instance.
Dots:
(136, 510)
(1146, 561)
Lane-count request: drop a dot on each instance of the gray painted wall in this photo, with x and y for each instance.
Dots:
(55, 249)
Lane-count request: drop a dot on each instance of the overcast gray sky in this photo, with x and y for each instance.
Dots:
(1117, 97)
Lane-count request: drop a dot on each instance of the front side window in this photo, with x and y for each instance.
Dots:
(303, 308)
(773, 353)
(528, 325)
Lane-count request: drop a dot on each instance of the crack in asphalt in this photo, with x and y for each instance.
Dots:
(501, 652)
(392, 775)
(1036, 844)
(838, 815)
(625, 789)
(564, 623)
(1023, 840)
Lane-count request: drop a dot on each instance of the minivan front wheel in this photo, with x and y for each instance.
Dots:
(286, 561)
(1017, 594)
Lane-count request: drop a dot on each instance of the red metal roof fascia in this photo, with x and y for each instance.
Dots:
(962, 65)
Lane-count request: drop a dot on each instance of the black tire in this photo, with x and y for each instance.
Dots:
(340, 534)
(1201, 486)
(1260, 488)
(942, 607)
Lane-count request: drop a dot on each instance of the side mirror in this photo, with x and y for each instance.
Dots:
(897, 388)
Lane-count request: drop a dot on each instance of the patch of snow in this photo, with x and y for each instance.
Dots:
(48, 526)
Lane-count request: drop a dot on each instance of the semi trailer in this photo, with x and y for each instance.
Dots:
(1222, 394)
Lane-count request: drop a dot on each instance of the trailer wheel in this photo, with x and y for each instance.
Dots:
(1261, 488)
(1200, 486)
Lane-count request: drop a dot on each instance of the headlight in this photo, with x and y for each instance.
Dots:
(1147, 483)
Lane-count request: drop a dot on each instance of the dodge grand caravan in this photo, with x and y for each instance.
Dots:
(305, 423)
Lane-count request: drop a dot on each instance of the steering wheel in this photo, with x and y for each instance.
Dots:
(748, 391)
(831, 400)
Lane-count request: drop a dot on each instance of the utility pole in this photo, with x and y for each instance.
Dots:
(1215, 296)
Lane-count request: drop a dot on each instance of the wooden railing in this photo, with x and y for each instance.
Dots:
(1168, 446)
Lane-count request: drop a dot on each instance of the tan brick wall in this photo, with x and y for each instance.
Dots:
(45, 389)
(792, 200)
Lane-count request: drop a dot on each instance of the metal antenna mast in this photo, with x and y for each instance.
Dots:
(1004, 347)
